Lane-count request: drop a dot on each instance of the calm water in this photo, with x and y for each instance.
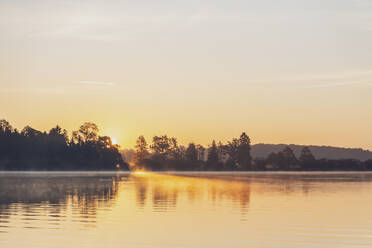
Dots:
(185, 210)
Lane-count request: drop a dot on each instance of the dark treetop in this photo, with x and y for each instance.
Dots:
(31, 149)
(165, 154)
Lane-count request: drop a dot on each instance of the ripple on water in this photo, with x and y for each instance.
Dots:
(186, 210)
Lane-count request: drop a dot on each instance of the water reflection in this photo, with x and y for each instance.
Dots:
(50, 197)
(52, 194)
(164, 190)
(185, 209)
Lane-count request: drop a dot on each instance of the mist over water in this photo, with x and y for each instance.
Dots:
(101, 209)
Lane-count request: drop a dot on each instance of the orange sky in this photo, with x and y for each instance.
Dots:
(296, 72)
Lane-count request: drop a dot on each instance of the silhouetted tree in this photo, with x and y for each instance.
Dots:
(160, 145)
(76, 138)
(28, 131)
(5, 126)
(283, 160)
(244, 158)
(191, 153)
(191, 156)
(239, 153)
(89, 131)
(212, 160)
(259, 164)
(272, 161)
(307, 159)
(174, 151)
(232, 151)
(288, 159)
(35, 150)
(201, 152)
(141, 152)
(32, 149)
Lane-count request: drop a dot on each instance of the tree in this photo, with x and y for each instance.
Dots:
(141, 152)
(221, 150)
(232, 150)
(287, 158)
(201, 152)
(58, 135)
(104, 142)
(76, 138)
(89, 132)
(55, 131)
(239, 153)
(28, 131)
(273, 161)
(191, 153)
(35, 150)
(5, 126)
(306, 155)
(283, 160)
(244, 158)
(174, 152)
(160, 144)
(212, 160)
(7, 138)
(307, 158)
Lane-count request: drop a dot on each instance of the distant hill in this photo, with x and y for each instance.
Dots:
(329, 152)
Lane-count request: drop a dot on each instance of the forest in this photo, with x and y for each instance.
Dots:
(164, 153)
(30, 149)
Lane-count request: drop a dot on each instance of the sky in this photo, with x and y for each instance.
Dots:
(283, 71)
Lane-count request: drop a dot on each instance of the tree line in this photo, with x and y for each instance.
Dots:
(31, 149)
(164, 153)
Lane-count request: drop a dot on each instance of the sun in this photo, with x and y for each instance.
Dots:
(114, 141)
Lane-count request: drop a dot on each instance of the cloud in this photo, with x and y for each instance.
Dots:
(96, 83)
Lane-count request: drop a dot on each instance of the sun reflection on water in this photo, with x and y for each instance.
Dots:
(147, 209)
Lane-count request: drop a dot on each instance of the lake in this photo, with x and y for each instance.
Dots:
(93, 209)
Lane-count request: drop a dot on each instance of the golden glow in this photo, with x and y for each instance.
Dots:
(114, 141)
(139, 173)
(151, 210)
(275, 93)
